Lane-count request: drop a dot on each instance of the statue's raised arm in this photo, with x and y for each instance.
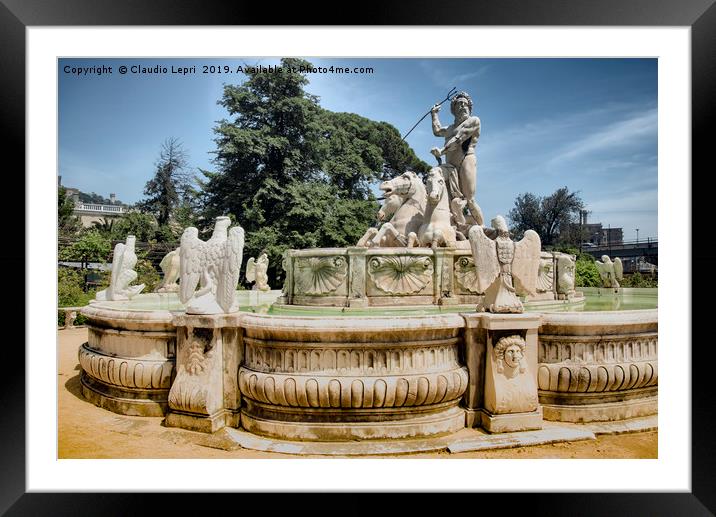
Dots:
(438, 129)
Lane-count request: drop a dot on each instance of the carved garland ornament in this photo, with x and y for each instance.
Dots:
(400, 275)
(319, 275)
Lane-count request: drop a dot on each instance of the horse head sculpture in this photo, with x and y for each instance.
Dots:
(404, 203)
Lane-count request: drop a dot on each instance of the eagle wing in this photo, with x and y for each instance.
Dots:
(525, 266)
(484, 253)
(190, 263)
(230, 269)
(603, 268)
(251, 270)
(166, 262)
(618, 268)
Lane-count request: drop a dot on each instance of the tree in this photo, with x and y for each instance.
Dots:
(169, 184)
(292, 173)
(142, 226)
(92, 246)
(551, 216)
(67, 222)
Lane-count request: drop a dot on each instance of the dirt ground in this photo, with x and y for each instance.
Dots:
(79, 423)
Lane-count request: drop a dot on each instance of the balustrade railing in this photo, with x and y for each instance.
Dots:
(94, 207)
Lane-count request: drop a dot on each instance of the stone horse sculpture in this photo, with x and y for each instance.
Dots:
(436, 229)
(404, 204)
(217, 263)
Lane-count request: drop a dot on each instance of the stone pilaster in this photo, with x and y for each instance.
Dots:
(287, 292)
(444, 283)
(205, 395)
(501, 357)
(356, 281)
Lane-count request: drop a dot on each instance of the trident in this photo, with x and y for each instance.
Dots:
(451, 92)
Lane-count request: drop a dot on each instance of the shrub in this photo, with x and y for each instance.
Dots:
(147, 275)
(586, 273)
(70, 292)
(638, 280)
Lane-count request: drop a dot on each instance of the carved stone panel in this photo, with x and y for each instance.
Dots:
(511, 387)
(401, 275)
(545, 274)
(466, 274)
(317, 276)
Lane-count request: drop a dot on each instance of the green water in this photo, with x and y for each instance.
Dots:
(263, 303)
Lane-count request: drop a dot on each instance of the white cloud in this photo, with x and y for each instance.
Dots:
(620, 134)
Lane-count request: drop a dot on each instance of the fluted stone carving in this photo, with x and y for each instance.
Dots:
(124, 372)
(352, 380)
(352, 392)
(598, 366)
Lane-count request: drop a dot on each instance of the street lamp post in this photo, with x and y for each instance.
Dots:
(637, 235)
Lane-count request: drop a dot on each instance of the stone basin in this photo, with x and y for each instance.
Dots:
(375, 372)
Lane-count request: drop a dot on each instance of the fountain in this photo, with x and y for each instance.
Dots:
(382, 340)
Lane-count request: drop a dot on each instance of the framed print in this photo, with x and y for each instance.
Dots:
(671, 41)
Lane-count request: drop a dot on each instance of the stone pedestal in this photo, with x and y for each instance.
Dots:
(501, 357)
(205, 395)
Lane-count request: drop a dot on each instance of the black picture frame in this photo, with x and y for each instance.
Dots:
(699, 15)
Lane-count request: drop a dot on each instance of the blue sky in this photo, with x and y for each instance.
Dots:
(588, 124)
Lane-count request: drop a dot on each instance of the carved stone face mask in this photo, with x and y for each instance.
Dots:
(513, 356)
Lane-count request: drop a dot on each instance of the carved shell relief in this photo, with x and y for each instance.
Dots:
(466, 274)
(400, 275)
(545, 276)
(319, 275)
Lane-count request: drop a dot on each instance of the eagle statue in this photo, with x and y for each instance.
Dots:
(256, 271)
(215, 263)
(610, 271)
(504, 267)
